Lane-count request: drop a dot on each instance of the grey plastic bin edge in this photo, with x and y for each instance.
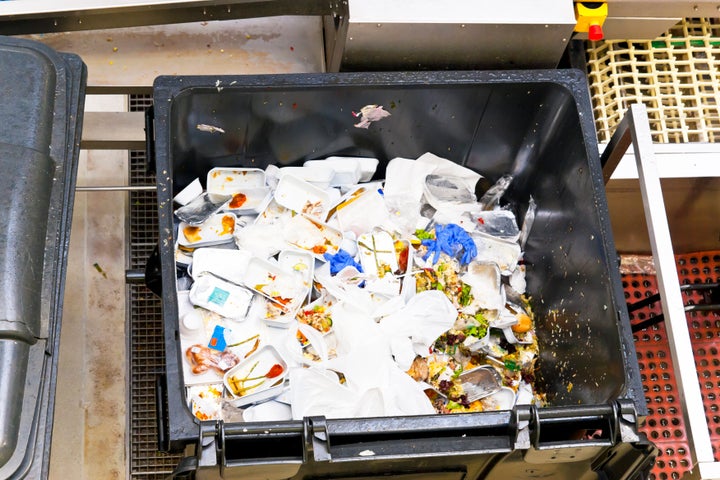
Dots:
(41, 113)
(535, 124)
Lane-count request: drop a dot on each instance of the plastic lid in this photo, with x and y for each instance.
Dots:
(595, 32)
(40, 106)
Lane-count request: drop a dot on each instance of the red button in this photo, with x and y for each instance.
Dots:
(595, 33)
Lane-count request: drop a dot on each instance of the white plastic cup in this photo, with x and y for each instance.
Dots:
(191, 323)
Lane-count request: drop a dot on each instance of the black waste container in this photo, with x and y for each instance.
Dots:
(41, 107)
(536, 125)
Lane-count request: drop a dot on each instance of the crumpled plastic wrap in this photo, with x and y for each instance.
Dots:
(405, 186)
(528, 221)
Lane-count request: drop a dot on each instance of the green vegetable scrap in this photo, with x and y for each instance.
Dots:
(479, 330)
(452, 405)
(465, 295)
(424, 235)
(99, 269)
(512, 366)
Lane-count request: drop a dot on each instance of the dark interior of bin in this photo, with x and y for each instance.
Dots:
(530, 129)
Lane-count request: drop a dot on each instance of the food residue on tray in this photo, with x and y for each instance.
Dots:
(318, 317)
(243, 384)
(206, 401)
(228, 225)
(192, 234)
(312, 208)
(238, 200)
(275, 371)
(319, 249)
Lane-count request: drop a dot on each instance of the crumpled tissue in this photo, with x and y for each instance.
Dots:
(364, 212)
(322, 394)
(414, 328)
(373, 357)
(263, 241)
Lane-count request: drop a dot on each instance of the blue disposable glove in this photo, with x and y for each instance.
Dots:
(449, 239)
(341, 260)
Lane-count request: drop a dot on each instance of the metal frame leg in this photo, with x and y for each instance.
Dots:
(636, 121)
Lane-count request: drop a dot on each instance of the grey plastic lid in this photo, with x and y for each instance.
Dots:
(40, 107)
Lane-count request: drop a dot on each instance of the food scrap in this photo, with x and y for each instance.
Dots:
(192, 233)
(209, 128)
(100, 269)
(317, 317)
(275, 371)
(206, 401)
(238, 200)
(203, 358)
(369, 114)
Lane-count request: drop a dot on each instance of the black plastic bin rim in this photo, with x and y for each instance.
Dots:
(165, 87)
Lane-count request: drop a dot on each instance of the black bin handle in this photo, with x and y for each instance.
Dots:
(150, 139)
(163, 443)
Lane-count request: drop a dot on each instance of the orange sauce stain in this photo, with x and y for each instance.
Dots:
(228, 224)
(319, 249)
(192, 234)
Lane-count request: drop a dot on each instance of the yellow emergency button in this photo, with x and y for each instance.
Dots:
(590, 17)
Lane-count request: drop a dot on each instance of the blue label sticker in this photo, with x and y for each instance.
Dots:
(217, 341)
(218, 296)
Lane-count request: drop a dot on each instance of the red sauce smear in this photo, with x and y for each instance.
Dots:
(238, 200)
(274, 371)
(403, 259)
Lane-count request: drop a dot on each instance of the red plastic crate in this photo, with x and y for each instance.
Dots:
(672, 461)
(664, 424)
